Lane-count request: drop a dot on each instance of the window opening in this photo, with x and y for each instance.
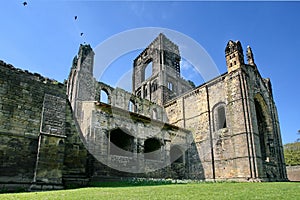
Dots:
(154, 113)
(221, 118)
(121, 143)
(148, 70)
(103, 96)
(131, 106)
(152, 149)
(170, 86)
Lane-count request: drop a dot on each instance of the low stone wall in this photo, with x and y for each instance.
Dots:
(293, 173)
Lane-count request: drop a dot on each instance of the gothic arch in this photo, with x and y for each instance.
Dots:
(264, 126)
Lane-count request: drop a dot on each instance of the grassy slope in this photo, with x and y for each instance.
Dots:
(182, 191)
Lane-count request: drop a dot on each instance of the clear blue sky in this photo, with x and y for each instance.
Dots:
(43, 37)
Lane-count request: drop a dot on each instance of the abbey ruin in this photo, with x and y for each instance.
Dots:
(53, 134)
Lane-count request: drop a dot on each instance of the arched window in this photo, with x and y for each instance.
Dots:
(152, 148)
(121, 143)
(219, 117)
(154, 113)
(60, 143)
(176, 155)
(131, 106)
(264, 127)
(104, 98)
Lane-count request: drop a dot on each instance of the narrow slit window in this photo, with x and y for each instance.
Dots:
(170, 86)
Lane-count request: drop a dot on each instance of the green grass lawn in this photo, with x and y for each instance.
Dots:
(285, 190)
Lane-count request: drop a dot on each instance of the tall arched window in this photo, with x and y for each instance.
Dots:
(219, 117)
(261, 123)
(264, 127)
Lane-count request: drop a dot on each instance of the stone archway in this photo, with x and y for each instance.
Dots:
(121, 143)
(152, 149)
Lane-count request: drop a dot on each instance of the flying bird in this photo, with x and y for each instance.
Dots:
(81, 34)
(75, 17)
(25, 3)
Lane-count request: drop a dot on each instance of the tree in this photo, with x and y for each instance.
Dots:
(298, 140)
(193, 85)
(292, 153)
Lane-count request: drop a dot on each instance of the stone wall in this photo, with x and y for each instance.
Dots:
(31, 105)
(101, 120)
(233, 151)
(293, 173)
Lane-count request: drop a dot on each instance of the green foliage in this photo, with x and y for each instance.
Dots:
(275, 190)
(192, 83)
(292, 153)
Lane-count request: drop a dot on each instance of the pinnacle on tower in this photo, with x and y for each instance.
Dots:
(250, 57)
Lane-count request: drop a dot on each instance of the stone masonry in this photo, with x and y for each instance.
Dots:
(53, 135)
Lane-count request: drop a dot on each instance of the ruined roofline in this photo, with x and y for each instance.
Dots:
(163, 37)
(197, 87)
(34, 76)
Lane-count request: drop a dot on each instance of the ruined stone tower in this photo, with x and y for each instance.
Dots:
(80, 85)
(156, 72)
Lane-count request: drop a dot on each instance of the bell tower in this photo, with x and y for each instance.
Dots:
(156, 72)
(234, 55)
